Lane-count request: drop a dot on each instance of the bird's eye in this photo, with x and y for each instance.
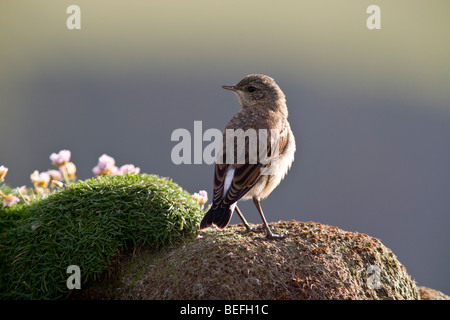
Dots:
(251, 89)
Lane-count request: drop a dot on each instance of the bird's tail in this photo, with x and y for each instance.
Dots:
(219, 216)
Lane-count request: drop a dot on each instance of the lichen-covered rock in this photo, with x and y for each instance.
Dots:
(314, 261)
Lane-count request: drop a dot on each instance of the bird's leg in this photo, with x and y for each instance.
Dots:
(269, 235)
(247, 226)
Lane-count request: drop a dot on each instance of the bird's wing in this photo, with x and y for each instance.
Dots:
(246, 175)
(220, 172)
(244, 178)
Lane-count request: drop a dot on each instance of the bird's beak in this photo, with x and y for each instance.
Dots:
(232, 88)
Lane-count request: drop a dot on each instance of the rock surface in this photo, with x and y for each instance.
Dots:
(431, 294)
(314, 261)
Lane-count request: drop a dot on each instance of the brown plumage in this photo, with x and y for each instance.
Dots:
(248, 171)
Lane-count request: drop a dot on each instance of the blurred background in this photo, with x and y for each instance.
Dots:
(370, 109)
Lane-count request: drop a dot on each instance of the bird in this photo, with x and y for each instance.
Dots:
(251, 169)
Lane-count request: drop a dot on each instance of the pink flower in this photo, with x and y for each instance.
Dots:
(97, 171)
(54, 174)
(61, 158)
(105, 165)
(3, 172)
(69, 169)
(204, 194)
(129, 168)
(22, 192)
(40, 179)
(9, 200)
(56, 184)
(201, 197)
(115, 171)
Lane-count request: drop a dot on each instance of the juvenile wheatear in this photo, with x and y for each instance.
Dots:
(264, 163)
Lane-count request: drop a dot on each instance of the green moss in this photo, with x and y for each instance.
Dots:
(88, 224)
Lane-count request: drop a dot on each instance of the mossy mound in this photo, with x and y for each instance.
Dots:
(87, 225)
(315, 261)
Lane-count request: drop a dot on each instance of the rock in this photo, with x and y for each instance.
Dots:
(431, 294)
(314, 261)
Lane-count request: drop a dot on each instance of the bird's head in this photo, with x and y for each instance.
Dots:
(257, 89)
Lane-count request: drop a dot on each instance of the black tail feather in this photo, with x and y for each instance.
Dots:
(219, 216)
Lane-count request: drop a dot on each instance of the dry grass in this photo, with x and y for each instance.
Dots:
(315, 261)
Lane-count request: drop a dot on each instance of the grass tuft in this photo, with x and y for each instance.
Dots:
(88, 224)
